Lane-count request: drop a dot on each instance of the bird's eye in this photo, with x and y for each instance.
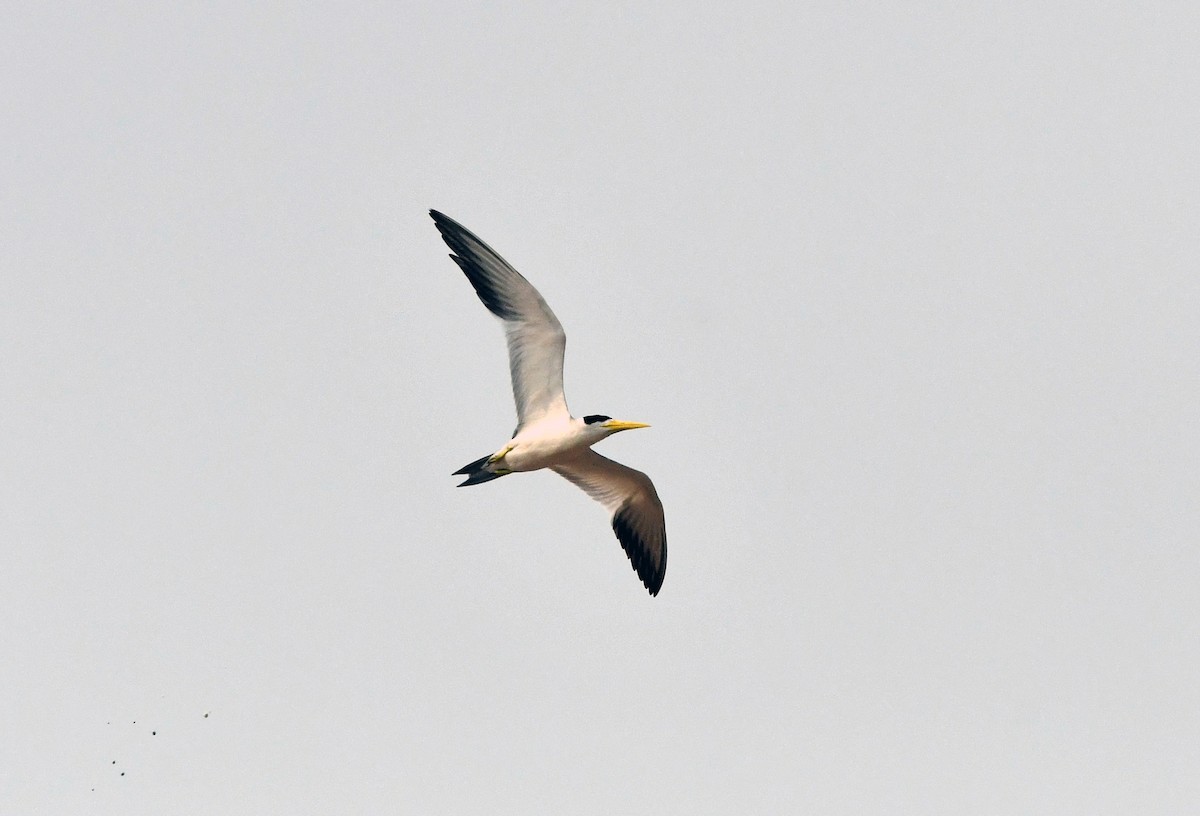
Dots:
(592, 419)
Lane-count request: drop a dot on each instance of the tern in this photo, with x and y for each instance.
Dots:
(547, 435)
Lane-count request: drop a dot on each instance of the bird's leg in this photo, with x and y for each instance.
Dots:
(498, 456)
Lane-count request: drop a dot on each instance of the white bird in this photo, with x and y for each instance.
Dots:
(547, 436)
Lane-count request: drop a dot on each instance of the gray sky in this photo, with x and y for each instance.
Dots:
(909, 296)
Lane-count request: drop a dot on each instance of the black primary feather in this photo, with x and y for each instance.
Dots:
(638, 550)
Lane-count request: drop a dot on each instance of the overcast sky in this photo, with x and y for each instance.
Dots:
(909, 295)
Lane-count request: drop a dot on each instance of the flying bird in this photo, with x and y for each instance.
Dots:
(547, 436)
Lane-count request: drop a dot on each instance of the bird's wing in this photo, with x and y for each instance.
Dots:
(536, 340)
(637, 513)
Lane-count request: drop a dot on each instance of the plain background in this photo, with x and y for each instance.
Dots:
(909, 294)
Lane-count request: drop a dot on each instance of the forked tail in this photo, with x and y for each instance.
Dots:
(480, 471)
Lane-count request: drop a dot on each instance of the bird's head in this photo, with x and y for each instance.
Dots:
(603, 426)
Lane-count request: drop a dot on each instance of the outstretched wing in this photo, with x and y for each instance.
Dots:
(637, 513)
(536, 341)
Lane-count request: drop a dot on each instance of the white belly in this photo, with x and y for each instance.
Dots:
(541, 445)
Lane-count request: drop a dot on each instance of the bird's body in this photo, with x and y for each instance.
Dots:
(549, 440)
(547, 436)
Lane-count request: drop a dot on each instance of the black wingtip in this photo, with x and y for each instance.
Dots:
(447, 224)
(650, 570)
(482, 265)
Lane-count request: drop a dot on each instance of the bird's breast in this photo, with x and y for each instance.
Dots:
(537, 448)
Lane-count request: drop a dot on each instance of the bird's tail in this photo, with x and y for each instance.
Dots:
(481, 470)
